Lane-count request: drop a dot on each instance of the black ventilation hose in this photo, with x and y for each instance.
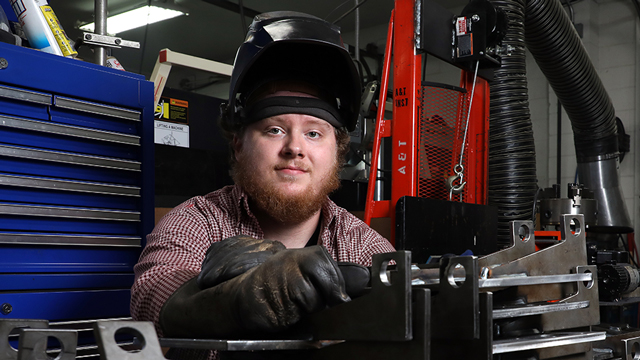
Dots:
(512, 156)
(552, 40)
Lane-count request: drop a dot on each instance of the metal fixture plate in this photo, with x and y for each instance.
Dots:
(7, 326)
(145, 333)
(33, 344)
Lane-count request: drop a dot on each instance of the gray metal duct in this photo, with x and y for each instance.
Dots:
(558, 50)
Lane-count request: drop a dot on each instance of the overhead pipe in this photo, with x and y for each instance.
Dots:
(555, 45)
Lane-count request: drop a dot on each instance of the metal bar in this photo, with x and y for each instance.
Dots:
(76, 240)
(24, 95)
(53, 128)
(64, 212)
(544, 341)
(12, 151)
(538, 309)
(66, 185)
(534, 280)
(82, 325)
(432, 277)
(100, 10)
(245, 345)
(95, 108)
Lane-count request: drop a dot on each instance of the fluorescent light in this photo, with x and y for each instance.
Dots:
(135, 18)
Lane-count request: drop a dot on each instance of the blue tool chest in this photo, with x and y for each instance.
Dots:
(76, 185)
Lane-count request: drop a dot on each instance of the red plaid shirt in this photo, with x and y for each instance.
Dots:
(177, 246)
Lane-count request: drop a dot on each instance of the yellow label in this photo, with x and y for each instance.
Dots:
(165, 113)
(58, 33)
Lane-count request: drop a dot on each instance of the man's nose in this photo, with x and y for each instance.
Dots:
(294, 146)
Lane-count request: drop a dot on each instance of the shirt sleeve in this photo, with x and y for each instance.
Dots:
(372, 243)
(354, 241)
(172, 256)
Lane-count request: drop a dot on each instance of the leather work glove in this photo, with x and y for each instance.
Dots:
(233, 256)
(357, 278)
(267, 298)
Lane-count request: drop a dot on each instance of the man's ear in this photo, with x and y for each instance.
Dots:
(236, 144)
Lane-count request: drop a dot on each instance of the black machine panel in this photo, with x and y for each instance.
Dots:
(430, 227)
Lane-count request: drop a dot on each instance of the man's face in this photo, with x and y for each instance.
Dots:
(287, 164)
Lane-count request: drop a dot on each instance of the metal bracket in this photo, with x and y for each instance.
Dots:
(7, 325)
(523, 242)
(456, 305)
(33, 344)
(144, 332)
(624, 345)
(389, 299)
(586, 291)
(561, 258)
(108, 41)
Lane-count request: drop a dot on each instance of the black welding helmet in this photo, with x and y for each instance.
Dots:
(293, 47)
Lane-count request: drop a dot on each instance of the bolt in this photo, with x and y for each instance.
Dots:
(87, 37)
(3, 63)
(118, 41)
(6, 309)
(616, 329)
(484, 273)
(475, 18)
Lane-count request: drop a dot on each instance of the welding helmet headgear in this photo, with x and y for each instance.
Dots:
(299, 52)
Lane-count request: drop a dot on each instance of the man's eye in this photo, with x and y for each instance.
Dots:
(274, 131)
(313, 134)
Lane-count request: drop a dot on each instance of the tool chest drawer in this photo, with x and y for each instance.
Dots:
(76, 185)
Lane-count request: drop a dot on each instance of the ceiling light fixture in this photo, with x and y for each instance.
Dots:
(136, 18)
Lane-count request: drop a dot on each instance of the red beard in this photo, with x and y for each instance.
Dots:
(284, 208)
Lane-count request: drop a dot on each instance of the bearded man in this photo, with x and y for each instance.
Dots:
(253, 258)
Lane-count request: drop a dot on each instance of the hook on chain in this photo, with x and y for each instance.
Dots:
(459, 176)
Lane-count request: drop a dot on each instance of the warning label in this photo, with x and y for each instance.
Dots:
(174, 110)
(171, 134)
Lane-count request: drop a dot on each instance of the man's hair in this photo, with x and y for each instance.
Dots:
(342, 141)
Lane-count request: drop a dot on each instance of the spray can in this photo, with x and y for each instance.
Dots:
(42, 28)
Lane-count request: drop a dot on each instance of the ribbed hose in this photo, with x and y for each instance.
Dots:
(512, 155)
(556, 47)
(558, 50)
